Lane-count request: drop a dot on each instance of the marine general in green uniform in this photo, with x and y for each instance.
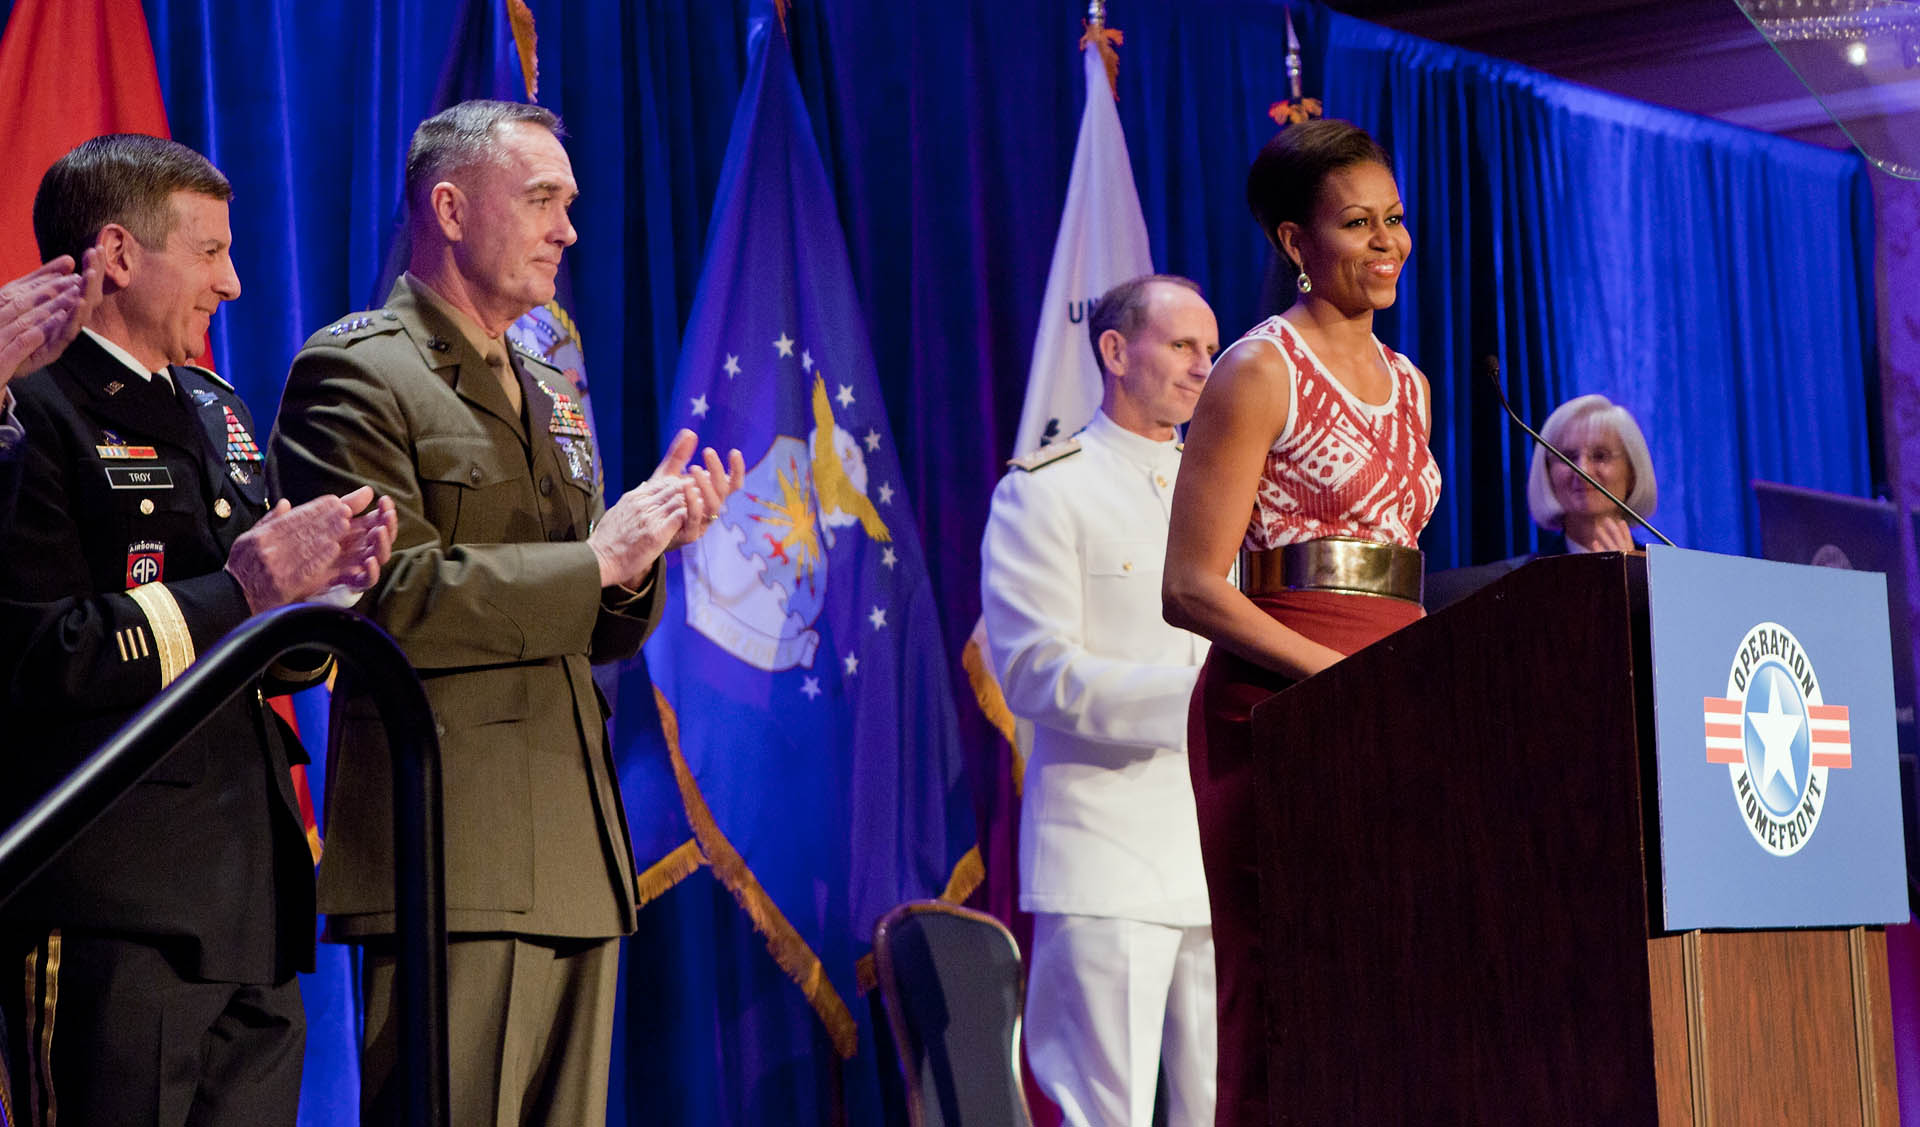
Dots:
(507, 581)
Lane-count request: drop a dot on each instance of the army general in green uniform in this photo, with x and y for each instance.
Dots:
(507, 580)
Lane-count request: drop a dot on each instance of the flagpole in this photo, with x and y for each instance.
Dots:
(1293, 58)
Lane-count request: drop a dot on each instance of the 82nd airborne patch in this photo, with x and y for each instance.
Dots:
(146, 563)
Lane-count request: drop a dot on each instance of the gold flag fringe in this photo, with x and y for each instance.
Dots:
(521, 18)
(993, 703)
(967, 874)
(668, 871)
(986, 687)
(567, 325)
(1105, 39)
(784, 942)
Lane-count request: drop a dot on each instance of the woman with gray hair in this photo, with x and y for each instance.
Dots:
(1602, 438)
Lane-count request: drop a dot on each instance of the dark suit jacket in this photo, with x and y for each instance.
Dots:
(122, 483)
(496, 600)
(1444, 588)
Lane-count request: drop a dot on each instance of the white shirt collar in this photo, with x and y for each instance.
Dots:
(125, 357)
(1136, 448)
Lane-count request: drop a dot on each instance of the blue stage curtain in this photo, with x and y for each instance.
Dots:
(307, 108)
(1716, 281)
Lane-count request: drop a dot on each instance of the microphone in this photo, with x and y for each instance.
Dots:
(1493, 377)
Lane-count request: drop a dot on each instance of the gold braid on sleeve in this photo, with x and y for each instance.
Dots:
(170, 634)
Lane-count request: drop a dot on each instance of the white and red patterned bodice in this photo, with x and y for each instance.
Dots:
(1343, 467)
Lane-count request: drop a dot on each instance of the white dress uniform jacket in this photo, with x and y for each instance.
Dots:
(1072, 561)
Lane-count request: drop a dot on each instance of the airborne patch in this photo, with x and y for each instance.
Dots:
(146, 563)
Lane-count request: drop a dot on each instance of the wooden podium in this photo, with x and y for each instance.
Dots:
(1460, 889)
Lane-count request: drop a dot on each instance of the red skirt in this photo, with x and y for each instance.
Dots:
(1220, 756)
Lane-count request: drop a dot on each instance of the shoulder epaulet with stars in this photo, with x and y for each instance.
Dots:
(530, 354)
(357, 326)
(1045, 456)
(212, 375)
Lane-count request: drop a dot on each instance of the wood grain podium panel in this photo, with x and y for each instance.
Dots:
(1671, 968)
(1787, 1027)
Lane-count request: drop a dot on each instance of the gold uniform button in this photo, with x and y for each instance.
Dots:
(1160, 480)
(1128, 566)
(146, 506)
(222, 508)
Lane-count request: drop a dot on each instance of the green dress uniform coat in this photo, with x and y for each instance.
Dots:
(495, 597)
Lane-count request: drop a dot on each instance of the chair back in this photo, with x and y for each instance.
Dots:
(950, 978)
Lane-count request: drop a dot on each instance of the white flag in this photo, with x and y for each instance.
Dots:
(1103, 242)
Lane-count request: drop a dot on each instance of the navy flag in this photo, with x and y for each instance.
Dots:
(799, 667)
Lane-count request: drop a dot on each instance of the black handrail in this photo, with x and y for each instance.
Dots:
(229, 668)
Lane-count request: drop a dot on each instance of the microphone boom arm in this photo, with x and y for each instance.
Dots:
(1493, 377)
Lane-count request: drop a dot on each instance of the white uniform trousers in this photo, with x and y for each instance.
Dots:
(1107, 1001)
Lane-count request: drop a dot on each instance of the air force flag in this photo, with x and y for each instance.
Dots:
(800, 662)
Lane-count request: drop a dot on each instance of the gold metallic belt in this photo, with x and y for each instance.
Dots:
(1335, 563)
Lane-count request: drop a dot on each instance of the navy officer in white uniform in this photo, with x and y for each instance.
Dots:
(1121, 977)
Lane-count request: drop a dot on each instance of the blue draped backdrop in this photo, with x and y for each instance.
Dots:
(1716, 281)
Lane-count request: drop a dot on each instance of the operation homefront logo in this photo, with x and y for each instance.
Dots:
(1778, 739)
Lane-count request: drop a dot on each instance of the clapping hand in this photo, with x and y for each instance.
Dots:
(706, 487)
(640, 526)
(1612, 534)
(368, 544)
(296, 553)
(41, 313)
(670, 509)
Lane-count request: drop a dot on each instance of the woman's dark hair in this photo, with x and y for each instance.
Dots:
(1284, 182)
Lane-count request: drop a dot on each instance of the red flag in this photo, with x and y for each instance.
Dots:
(72, 69)
(302, 789)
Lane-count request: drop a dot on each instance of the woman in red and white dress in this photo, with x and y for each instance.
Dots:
(1309, 451)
